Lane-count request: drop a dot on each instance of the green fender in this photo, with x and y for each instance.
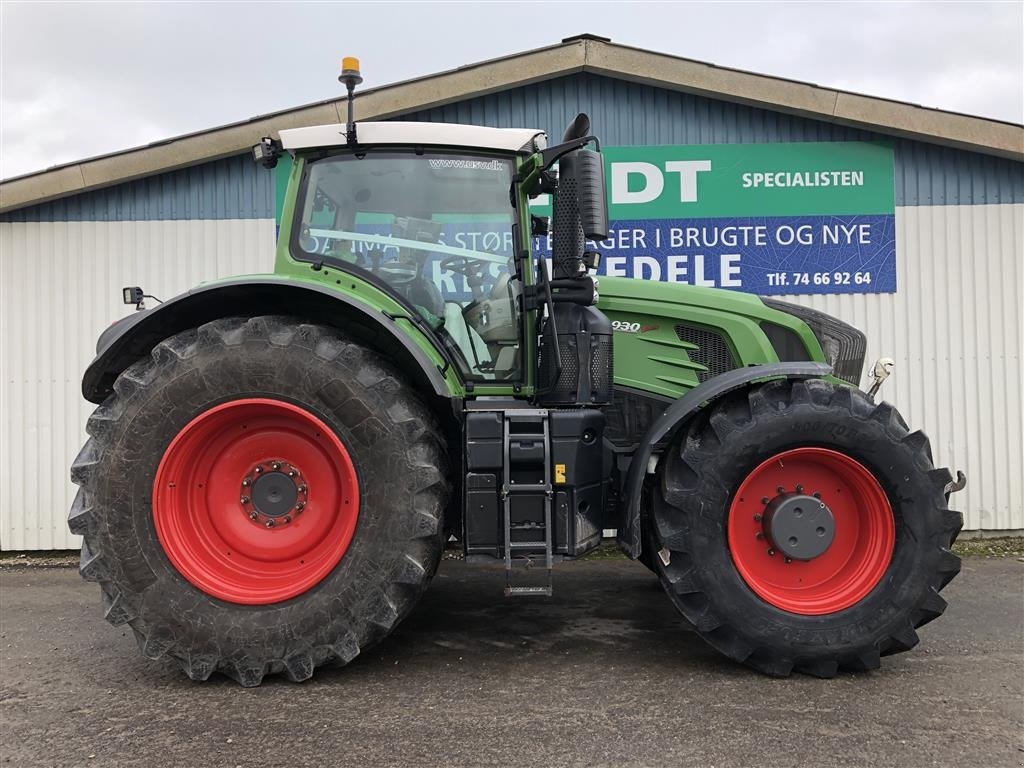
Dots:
(676, 415)
(136, 335)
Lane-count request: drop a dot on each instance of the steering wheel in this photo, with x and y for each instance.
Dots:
(464, 265)
(471, 269)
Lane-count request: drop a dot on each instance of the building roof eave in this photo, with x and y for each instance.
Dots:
(880, 115)
(584, 53)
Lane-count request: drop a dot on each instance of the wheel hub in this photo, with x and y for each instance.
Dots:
(273, 492)
(811, 554)
(247, 527)
(801, 527)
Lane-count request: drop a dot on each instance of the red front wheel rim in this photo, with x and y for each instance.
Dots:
(255, 501)
(853, 527)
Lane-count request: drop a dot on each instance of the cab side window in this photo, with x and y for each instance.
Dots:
(437, 231)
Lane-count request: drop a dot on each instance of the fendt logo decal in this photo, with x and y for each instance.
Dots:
(625, 327)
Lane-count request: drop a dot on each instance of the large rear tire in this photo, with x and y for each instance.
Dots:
(260, 496)
(765, 586)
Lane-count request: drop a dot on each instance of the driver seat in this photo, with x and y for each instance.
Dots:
(494, 320)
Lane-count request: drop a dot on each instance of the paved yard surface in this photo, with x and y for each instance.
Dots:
(603, 674)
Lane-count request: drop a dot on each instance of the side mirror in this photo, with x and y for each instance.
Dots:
(580, 210)
(590, 193)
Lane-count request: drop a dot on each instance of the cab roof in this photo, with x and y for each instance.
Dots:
(417, 134)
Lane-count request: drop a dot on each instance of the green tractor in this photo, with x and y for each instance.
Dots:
(277, 462)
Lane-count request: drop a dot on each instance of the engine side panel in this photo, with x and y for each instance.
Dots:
(669, 338)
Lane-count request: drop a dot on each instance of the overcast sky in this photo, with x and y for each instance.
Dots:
(81, 79)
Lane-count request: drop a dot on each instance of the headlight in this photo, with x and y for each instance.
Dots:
(844, 346)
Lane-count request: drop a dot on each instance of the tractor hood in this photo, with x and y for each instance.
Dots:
(716, 299)
(670, 337)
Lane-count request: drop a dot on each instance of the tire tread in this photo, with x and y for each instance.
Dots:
(425, 451)
(679, 482)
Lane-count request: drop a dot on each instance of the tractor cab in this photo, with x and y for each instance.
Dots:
(438, 216)
(434, 222)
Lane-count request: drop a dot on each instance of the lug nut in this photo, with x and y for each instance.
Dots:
(258, 470)
(816, 494)
(771, 552)
(765, 499)
(300, 505)
(759, 535)
(286, 519)
(789, 560)
(799, 489)
(291, 473)
(301, 489)
(275, 465)
(245, 499)
(781, 489)
(270, 523)
(757, 518)
(246, 483)
(254, 515)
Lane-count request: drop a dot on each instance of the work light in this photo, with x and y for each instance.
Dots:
(132, 294)
(266, 152)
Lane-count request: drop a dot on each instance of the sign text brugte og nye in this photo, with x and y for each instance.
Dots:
(763, 218)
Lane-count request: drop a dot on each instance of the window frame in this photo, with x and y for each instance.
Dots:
(450, 351)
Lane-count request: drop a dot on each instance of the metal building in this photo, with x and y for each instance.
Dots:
(172, 214)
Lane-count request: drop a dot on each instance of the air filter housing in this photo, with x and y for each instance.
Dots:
(585, 344)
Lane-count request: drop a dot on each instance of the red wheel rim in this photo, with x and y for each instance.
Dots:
(255, 549)
(861, 547)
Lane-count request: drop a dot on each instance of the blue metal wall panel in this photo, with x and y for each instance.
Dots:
(232, 188)
(627, 113)
(623, 113)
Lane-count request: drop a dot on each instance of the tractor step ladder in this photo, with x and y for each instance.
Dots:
(511, 490)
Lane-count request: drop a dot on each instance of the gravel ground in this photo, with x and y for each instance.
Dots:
(602, 674)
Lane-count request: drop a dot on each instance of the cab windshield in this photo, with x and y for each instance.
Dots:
(436, 228)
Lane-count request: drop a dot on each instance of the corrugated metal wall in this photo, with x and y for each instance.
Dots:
(625, 113)
(955, 331)
(232, 188)
(61, 284)
(954, 328)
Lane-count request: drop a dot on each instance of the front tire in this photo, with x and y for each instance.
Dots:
(838, 592)
(260, 496)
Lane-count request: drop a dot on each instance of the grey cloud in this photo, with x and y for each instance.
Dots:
(83, 79)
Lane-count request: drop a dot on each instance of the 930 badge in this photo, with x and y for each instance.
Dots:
(624, 326)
